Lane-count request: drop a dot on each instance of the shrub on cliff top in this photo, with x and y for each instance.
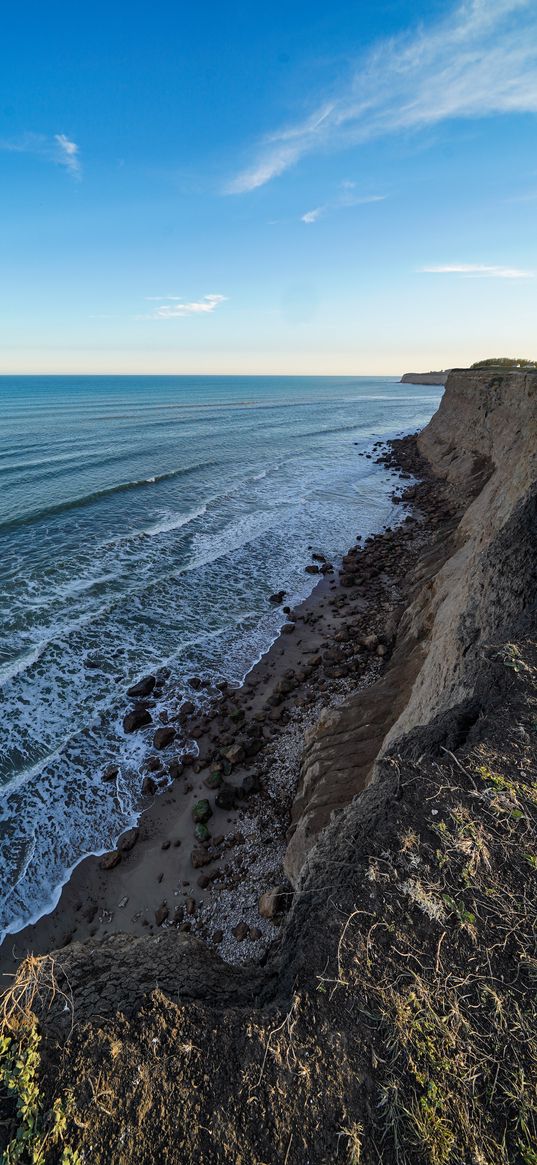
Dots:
(506, 362)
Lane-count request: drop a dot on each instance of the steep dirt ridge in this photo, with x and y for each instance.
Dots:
(483, 442)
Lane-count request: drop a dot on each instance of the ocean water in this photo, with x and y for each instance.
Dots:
(145, 521)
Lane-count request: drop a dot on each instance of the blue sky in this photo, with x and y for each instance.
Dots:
(295, 187)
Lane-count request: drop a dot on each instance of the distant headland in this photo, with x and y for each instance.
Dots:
(504, 363)
(424, 377)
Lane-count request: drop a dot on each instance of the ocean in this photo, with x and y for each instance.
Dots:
(144, 521)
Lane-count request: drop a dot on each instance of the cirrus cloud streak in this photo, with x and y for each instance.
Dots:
(479, 61)
(56, 148)
(479, 270)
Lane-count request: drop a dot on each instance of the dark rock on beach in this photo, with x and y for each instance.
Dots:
(200, 857)
(149, 787)
(226, 797)
(110, 773)
(161, 914)
(201, 812)
(128, 840)
(273, 902)
(110, 860)
(164, 736)
(142, 688)
(140, 717)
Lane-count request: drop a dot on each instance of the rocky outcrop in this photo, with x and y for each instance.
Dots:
(478, 577)
(424, 378)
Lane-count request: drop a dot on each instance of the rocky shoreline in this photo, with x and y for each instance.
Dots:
(208, 853)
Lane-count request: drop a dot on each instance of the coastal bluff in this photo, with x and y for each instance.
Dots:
(379, 1023)
(477, 576)
(424, 378)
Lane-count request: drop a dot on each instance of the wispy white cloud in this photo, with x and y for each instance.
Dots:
(313, 215)
(478, 61)
(57, 148)
(69, 153)
(483, 270)
(175, 308)
(346, 199)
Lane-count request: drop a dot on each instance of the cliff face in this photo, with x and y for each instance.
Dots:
(477, 578)
(485, 427)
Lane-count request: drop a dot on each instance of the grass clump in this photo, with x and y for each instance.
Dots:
(441, 961)
(35, 1131)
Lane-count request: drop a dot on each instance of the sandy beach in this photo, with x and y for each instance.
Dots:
(207, 855)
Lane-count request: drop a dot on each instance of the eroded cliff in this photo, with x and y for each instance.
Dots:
(477, 578)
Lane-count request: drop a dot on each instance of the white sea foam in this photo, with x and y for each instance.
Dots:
(173, 567)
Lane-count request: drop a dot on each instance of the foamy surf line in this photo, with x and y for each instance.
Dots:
(34, 909)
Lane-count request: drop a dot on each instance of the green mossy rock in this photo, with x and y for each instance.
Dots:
(201, 812)
(201, 833)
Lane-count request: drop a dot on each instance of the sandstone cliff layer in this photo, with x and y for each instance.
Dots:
(476, 579)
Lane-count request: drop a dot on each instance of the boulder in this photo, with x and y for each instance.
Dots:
(277, 598)
(312, 568)
(226, 797)
(128, 840)
(108, 861)
(201, 833)
(195, 683)
(240, 932)
(287, 629)
(214, 780)
(273, 902)
(163, 737)
(149, 787)
(235, 754)
(138, 718)
(142, 688)
(110, 773)
(153, 764)
(199, 857)
(201, 812)
(175, 768)
(161, 914)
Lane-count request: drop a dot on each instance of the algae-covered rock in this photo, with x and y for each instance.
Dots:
(201, 812)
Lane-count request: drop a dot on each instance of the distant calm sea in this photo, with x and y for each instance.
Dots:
(145, 521)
